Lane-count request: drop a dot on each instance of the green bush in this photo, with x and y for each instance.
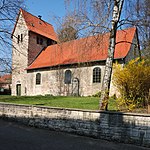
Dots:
(98, 94)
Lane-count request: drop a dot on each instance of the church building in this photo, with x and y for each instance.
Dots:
(41, 65)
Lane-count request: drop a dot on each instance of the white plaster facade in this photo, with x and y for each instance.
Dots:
(52, 81)
(19, 56)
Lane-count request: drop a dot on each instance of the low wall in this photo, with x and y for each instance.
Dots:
(121, 127)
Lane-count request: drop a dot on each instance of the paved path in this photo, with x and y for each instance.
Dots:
(14, 136)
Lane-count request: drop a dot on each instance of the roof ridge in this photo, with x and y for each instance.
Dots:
(101, 34)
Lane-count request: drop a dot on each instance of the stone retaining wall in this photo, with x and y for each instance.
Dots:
(121, 127)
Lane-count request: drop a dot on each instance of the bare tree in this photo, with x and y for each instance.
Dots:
(93, 17)
(67, 33)
(8, 13)
(139, 16)
(109, 61)
(96, 17)
(90, 17)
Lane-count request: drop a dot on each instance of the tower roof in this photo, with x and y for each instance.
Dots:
(37, 25)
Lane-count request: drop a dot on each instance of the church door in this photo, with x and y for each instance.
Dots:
(18, 89)
(75, 87)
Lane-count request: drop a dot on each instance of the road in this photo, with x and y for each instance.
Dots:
(15, 136)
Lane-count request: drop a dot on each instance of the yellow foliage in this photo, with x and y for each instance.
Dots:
(125, 104)
(133, 82)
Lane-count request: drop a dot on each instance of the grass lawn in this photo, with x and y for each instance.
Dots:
(91, 103)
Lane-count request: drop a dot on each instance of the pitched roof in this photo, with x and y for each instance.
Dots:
(88, 49)
(5, 79)
(37, 25)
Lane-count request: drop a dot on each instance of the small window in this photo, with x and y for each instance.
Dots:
(32, 24)
(96, 75)
(38, 78)
(49, 42)
(41, 41)
(68, 75)
(18, 38)
(21, 37)
(37, 40)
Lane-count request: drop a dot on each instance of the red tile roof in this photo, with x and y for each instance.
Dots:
(5, 79)
(84, 50)
(38, 26)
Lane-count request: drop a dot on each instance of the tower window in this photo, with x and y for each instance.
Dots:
(37, 40)
(49, 42)
(41, 41)
(21, 37)
(18, 40)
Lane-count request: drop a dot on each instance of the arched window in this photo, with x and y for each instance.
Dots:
(68, 75)
(38, 78)
(97, 75)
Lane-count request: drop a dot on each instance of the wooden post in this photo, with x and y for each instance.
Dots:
(148, 108)
(148, 102)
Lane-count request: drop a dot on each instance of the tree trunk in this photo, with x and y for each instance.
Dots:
(109, 61)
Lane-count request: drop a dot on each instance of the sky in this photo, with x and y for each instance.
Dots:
(46, 8)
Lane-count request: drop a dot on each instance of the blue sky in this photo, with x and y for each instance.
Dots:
(46, 8)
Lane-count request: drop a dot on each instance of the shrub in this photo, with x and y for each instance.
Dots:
(133, 81)
(98, 94)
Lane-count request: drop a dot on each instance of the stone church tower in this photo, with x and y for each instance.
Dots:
(30, 36)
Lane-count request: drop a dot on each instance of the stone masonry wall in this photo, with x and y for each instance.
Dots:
(121, 127)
